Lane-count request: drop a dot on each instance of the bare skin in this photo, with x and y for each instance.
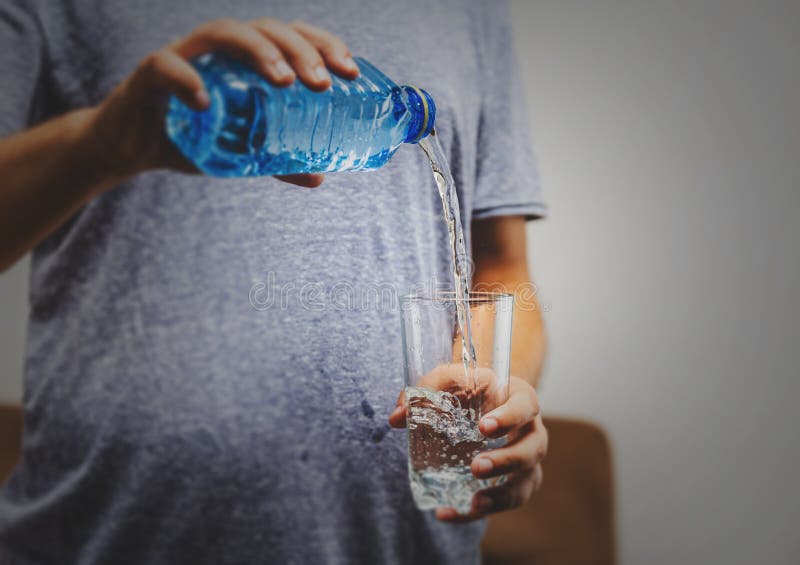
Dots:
(501, 266)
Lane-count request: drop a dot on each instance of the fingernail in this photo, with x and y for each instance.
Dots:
(483, 503)
(321, 74)
(349, 63)
(483, 465)
(282, 69)
(201, 97)
(489, 424)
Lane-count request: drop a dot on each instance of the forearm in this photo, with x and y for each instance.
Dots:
(48, 173)
(528, 345)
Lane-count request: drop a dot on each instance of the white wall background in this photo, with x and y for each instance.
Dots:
(668, 136)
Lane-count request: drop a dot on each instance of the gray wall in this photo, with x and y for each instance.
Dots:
(668, 135)
(668, 138)
(13, 312)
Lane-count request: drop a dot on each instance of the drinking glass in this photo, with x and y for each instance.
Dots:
(445, 397)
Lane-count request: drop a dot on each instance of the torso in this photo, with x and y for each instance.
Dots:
(170, 416)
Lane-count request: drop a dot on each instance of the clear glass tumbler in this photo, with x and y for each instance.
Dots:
(445, 399)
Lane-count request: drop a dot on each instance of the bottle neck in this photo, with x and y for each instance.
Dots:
(419, 104)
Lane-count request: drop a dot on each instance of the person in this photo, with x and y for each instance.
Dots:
(174, 415)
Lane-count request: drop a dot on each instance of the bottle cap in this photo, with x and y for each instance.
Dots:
(423, 113)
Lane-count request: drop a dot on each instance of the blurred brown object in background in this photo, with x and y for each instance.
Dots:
(570, 521)
(10, 438)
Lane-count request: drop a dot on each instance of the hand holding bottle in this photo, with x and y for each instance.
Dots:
(128, 127)
(90, 150)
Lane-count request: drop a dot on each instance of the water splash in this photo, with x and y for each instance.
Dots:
(443, 440)
(443, 413)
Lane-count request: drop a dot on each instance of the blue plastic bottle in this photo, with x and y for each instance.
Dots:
(253, 128)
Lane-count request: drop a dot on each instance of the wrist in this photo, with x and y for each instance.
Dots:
(101, 162)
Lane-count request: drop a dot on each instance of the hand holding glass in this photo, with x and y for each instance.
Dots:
(444, 399)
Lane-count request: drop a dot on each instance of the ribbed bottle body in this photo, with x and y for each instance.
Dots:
(254, 128)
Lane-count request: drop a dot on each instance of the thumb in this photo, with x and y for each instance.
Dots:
(307, 180)
(397, 419)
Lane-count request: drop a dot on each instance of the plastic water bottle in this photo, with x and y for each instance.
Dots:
(254, 128)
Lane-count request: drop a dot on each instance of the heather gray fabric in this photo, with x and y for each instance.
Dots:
(205, 382)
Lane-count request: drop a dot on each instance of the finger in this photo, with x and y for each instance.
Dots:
(397, 419)
(241, 41)
(309, 180)
(521, 407)
(165, 72)
(524, 454)
(513, 493)
(302, 55)
(510, 494)
(333, 50)
(451, 515)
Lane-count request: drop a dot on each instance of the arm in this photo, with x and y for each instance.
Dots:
(501, 265)
(50, 171)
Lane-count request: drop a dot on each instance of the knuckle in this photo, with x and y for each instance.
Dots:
(217, 26)
(541, 452)
(534, 400)
(330, 41)
(339, 45)
(546, 440)
(226, 23)
(226, 28)
(538, 479)
(300, 25)
(308, 49)
(268, 23)
(152, 62)
(298, 47)
(334, 48)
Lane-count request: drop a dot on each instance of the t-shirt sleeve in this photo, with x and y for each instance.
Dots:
(507, 182)
(21, 52)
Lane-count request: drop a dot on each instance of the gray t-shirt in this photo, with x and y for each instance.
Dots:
(211, 363)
